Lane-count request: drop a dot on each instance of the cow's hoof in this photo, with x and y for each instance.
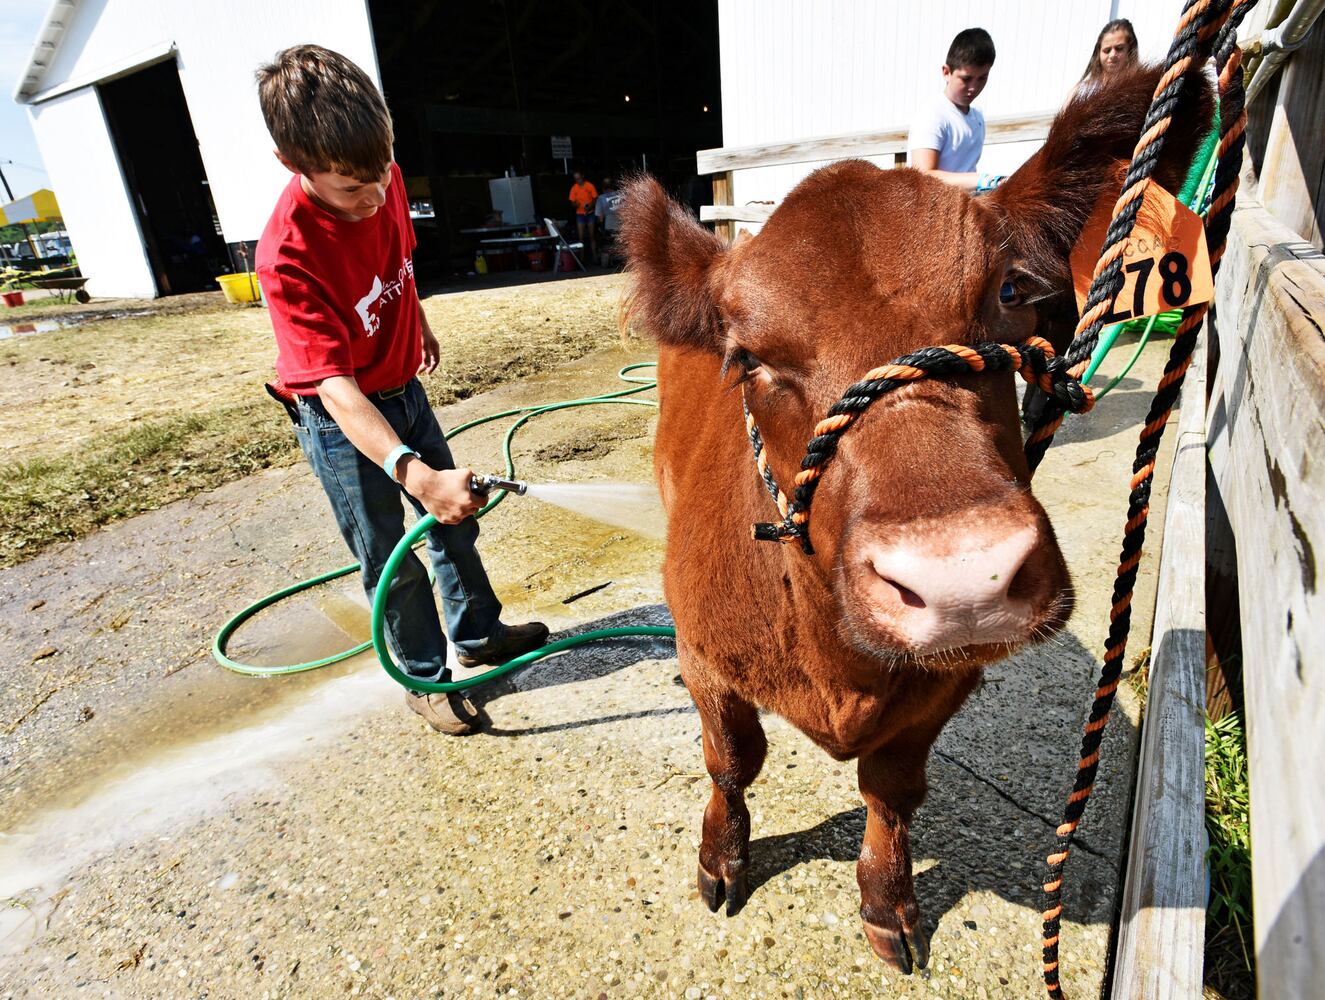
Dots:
(710, 890)
(713, 890)
(904, 951)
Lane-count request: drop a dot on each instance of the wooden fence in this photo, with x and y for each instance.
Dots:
(1246, 527)
(1266, 439)
(1254, 517)
(1161, 933)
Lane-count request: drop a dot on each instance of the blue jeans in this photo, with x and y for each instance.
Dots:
(366, 502)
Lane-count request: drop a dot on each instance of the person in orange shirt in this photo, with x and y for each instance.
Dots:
(583, 195)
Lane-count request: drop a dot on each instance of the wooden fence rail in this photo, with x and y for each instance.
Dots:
(847, 144)
(888, 142)
(1162, 928)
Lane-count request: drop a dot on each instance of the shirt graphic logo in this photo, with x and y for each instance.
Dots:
(364, 307)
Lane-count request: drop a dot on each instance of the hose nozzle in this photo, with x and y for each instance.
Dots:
(483, 485)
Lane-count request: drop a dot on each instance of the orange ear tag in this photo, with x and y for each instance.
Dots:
(1166, 264)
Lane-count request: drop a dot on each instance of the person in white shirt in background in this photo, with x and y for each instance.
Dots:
(607, 208)
(948, 135)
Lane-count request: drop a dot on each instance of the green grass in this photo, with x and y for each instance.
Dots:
(1229, 949)
(46, 500)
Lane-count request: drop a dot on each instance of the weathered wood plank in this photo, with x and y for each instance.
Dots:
(1266, 433)
(1162, 931)
(1292, 176)
(836, 147)
(735, 213)
(722, 198)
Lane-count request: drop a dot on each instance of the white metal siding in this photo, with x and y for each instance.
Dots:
(219, 47)
(85, 174)
(792, 69)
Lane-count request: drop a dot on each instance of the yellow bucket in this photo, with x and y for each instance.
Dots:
(240, 288)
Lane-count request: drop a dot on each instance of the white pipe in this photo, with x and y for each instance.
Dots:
(1251, 47)
(1277, 44)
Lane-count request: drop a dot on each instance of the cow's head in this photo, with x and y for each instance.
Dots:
(924, 525)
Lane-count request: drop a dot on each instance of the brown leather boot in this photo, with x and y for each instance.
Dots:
(517, 640)
(447, 713)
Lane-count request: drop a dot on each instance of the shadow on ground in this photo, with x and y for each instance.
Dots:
(989, 817)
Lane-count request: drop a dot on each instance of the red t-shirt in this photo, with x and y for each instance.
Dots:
(341, 294)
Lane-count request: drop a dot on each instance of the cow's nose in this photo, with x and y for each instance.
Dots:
(979, 589)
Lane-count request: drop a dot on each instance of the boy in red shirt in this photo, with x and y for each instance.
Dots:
(336, 268)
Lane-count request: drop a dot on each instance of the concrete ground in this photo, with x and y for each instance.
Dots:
(174, 830)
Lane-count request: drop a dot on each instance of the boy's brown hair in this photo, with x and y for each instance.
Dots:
(970, 49)
(325, 114)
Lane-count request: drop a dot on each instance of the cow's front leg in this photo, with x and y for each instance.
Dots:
(892, 782)
(734, 748)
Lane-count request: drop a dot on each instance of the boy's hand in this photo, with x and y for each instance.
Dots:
(445, 493)
(430, 352)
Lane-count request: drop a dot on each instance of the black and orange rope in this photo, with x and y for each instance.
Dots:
(1033, 358)
(1200, 21)
(1207, 27)
(1220, 21)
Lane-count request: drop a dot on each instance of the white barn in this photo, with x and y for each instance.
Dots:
(86, 47)
(145, 110)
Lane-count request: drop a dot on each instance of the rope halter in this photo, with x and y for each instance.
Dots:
(1033, 358)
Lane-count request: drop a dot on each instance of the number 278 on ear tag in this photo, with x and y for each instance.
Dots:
(1166, 264)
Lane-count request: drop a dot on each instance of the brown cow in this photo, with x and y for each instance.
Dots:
(931, 556)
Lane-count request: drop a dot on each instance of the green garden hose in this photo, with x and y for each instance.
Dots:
(412, 537)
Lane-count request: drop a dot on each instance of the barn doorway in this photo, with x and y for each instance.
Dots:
(530, 91)
(158, 153)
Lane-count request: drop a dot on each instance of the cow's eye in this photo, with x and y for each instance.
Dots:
(1008, 293)
(741, 359)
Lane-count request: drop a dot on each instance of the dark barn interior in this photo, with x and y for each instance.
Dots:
(158, 152)
(480, 90)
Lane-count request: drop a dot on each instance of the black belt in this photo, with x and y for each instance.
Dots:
(314, 401)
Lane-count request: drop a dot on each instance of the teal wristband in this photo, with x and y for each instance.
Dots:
(397, 453)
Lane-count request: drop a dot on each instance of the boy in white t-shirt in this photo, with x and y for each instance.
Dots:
(949, 135)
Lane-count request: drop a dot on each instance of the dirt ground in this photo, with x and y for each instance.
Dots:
(156, 401)
(193, 353)
(174, 830)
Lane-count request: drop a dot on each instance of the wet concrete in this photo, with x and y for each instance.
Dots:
(171, 829)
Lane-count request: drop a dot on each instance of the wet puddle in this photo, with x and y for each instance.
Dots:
(155, 797)
(206, 736)
(28, 328)
(11, 330)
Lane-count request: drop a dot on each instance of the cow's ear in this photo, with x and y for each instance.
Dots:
(671, 258)
(1046, 202)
